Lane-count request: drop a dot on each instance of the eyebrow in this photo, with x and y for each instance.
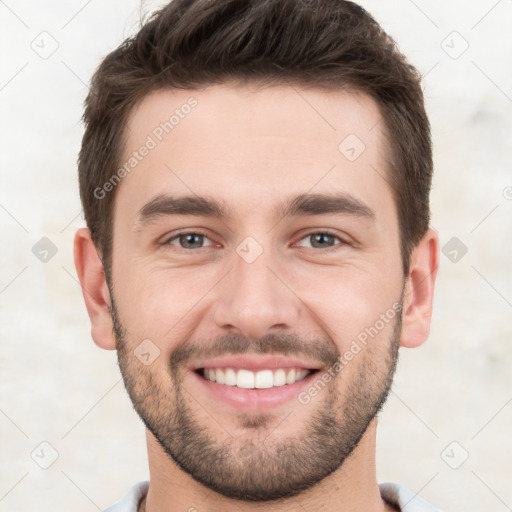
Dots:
(302, 205)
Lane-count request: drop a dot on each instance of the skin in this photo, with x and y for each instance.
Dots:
(252, 149)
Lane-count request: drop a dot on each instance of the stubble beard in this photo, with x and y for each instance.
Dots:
(255, 466)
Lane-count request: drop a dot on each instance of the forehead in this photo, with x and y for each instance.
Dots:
(221, 111)
(254, 142)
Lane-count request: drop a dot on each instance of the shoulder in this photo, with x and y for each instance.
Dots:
(130, 501)
(404, 498)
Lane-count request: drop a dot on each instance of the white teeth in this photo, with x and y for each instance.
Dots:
(262, 379)
(230, 377)
(279, 378)
(301, 374)
(219, 376)
(290, 377)
(245, 379)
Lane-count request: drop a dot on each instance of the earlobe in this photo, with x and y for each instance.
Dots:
(94, 289)
(419, 291)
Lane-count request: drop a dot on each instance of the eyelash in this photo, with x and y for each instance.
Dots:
(198, 232)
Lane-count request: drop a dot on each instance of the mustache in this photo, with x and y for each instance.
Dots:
(270, 344)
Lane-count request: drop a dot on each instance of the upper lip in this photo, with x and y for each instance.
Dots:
(257, 362)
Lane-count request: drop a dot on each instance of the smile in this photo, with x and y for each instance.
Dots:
(252, 382)
(262, 379)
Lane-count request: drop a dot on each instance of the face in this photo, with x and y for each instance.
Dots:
(256, 282)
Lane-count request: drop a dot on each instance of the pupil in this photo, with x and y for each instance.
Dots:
(188, 242)
(320, 239)
(195, 240)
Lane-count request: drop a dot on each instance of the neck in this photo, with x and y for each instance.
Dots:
(351, 488)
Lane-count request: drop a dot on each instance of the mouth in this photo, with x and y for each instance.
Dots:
(250, 382)
(247, 379)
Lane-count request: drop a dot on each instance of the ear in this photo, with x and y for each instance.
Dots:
(94, 289)
(419, 291)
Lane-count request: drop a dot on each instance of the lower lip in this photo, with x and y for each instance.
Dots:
(255, 398)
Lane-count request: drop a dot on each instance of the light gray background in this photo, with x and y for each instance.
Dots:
(452, 397)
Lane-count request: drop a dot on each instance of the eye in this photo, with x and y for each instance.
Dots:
(321, 240)
(189, 240)
(195, 240)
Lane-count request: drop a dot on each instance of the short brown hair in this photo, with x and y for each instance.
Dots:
(326, 44)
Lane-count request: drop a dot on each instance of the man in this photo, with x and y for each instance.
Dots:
(255, 179)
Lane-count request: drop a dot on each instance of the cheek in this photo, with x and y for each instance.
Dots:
(160, 304)
(352, 305)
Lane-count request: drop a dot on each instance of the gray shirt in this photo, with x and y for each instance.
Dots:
(395, 494)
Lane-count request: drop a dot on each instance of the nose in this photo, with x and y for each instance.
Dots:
(254, 299)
